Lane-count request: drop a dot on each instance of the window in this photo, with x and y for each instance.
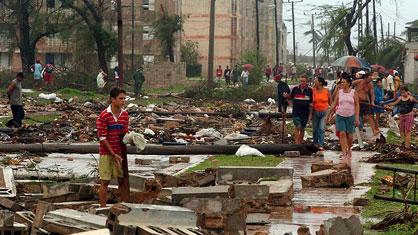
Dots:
(58, 59)
(147, 33)
(148, 59)
(4, 60)
(50, 3)
(148, 5)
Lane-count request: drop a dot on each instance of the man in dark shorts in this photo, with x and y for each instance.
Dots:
(283, 92)
(301, 97)
(365, 91)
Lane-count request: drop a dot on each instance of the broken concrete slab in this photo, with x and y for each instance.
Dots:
(68, 221)
(231, 174)
(139, 182)
(258, 218)
(147, 214)
(328, 178)
(251, 191)
(280, 192)
(180, 193)
(7, 182)
(15, 229)
(359, 201)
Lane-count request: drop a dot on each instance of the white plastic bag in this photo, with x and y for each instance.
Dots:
(246, 150)
(136, 139)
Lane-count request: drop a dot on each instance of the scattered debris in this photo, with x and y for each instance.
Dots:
(245, 150)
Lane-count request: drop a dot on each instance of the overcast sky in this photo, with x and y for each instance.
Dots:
(406, 11)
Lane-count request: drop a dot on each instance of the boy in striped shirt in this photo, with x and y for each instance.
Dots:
(112, 124)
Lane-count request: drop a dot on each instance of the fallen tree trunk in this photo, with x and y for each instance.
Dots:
(221, 114)
(158, 149)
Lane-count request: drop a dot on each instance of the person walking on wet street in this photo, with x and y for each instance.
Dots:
(283, 93)
(346, 104)
(406, 103)
(14, 92)
(301, 97)
(365, 91)
(112, 124)
(321, 103)
(378, 100)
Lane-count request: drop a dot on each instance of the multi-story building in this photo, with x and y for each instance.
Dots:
(235, 32)
(235, 29)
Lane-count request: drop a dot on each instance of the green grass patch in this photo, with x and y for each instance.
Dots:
(232, 160)
(67, 93)
(31, 120)
(394, 139)
(378, 209)
(172, 89)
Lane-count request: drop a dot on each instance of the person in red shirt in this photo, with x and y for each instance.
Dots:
(268, 72)
(112, 124)
(219, 73)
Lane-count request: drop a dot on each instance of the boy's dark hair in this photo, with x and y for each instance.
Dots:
(404, 88)
(116, 91)
(20, 75)
(378, 80)
(322, 81)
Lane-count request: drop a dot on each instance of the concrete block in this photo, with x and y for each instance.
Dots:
(140, 161)
(328, 178)
(321, 165)
(361, 201)
(227, 175)
(142, 214)
(251, 191)
(280, 192)
(340, 226)
(68, 221)
(56, 190)
(138, 182)
(7, 218)
(178, 194)
(175, 160)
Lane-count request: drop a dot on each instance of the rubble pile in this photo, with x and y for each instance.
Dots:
(326, 174)
(408, 156)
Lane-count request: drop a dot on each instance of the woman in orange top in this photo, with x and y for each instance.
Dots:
(321, 103)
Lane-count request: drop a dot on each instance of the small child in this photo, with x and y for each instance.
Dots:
(405, 103)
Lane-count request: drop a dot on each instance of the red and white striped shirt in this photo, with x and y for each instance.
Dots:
(110, 128)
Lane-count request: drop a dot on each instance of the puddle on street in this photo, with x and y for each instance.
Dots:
(312, 206)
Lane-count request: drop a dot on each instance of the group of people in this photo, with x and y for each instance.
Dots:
(44, 73)
(353, 100)
(233, 76)
(137, 76)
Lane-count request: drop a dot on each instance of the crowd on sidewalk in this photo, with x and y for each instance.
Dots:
(353, 100)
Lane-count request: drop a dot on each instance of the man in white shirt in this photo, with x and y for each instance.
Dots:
(245, 76)
(390, 86)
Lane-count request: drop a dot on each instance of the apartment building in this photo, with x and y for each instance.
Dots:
(235, 29)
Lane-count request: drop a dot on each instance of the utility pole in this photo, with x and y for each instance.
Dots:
(367, 20)
(211, 44)
(120, 41)
(381, 29)
(277, 33)
(133, 34)
(294, 28)
(388, 30)
(313, 37)
(257, 25)
(376, 48)
(394, 30)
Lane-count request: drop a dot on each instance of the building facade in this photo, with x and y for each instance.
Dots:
(235, 29)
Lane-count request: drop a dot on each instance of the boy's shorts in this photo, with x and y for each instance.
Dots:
(108, 169)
